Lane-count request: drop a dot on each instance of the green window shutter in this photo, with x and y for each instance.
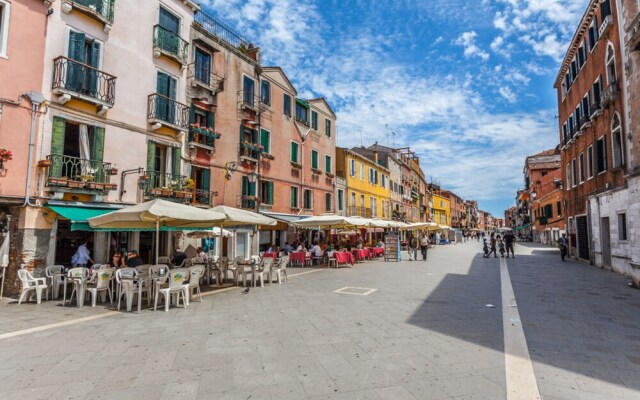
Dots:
(97, 144)
(314, 159)
(294, 151)
(294, 193)
(76, 46)
(92, 75)
(57, 146)
(270, 193)
(314, 120)
(206, 180)
(245, 185)
(177, 154)
(162, 84)
(264, 140)
(327, 164)
(192, 114)
(211, 119)
(151, 157)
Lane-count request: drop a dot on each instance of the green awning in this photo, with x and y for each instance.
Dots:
(302, 103)
(79, 215)
(525, 226)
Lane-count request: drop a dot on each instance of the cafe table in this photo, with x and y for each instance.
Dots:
(297, 257)
(360, 254)
(343, 257)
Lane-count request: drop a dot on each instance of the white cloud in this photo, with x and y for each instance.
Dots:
(508, 94)
(468, 41)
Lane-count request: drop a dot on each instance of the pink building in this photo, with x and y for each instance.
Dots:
(22, 40)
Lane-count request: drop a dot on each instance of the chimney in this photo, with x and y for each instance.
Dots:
(375, 156)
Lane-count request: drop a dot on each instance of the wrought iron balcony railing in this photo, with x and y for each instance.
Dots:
(250, 151)
(162, 184)
(585, 122)
(355, 211)
(246, 202)
(204, 136)
(101, 9)
(78, 173)
(205, 76)
(203, 197)
(170, 44)
(165, 110)
(83, 81)
(220, 30)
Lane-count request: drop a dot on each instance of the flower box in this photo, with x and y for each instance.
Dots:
(166, 192)
(44, 163)
(95, 185)
(110, 186)
(329, 175)
(183, 195)
(113, 171)
(58, 181)
(75, 184)
(316, 171)
(155, 192)
(296, 165)
(267, 156)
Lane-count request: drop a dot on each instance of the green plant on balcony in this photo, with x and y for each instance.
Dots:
(268, 156)
(316, 171)
(253, 147)
(205, 130)
(296, 164)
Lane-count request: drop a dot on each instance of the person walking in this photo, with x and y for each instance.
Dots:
(82, 255)
(492, 246)
(563, 244)
(509, 239)
(413, 248)
(424, 244)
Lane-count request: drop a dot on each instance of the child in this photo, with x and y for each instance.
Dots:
(485, 248)
(501, 247)
(492, 249)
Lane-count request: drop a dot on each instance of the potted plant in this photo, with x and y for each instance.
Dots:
(155, 191)
(5, 155)
(75, 184)
(166, 191)
(110, 186)
(113, 171)
(316, 171)
(296, 165)
(44, 163)
(268, 156)
(329, 174)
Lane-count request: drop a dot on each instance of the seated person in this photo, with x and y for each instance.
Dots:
(133, 259)
(178, 258)
(117, 261)
(203, 256)
(380, 243)
(287, 248)
(301, 247)
(316, 251)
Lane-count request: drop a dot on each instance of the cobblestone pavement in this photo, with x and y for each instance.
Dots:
(424, 333)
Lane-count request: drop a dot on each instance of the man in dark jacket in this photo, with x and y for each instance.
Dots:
(509, 238)
(133, 259)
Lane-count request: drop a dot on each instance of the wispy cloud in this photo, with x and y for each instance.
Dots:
(468, 41)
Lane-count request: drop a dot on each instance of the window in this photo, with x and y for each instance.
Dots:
(622, 226)
(83, 51)
(266, 190)
(314, 120)
(202, 66)
(574, 172)
(302, 112)
(581, 57)
(327, 164)
(295, 150)
(593, 35)
(601, 155)
(611, 65)
(585, 108)
(383, 181)
(353, 199)
(590, 162)
(596, 92)
(373, 202)
(605, 9)
(72, 142)
(265, 140)
(287, 105)
(340, 200)
(352, 168)
(314, 159)
(559, 208)
(581, 166)
(248, 91)
(265, 92)
(327, 127)
(617, 142)
(568, 173)
(574, 69)
(308, 199)
(201, 118)
(361, 171)
(362, 201)
(5, 9)
(548, 211)
(327, 202)
(294, 197)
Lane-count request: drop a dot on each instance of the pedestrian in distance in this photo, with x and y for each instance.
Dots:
(509, 239)
(492, 246)
(413, 248)
(501, 246)
(563, 244)
(485, 248)
(424, 244)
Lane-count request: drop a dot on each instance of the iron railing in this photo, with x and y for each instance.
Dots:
(171, 44)
(246, 202)
(75, 169)
(102, 9)
(595, 108)
(610, 93)
(355, 211)
(164, 109)
(203, 197)
(220, 30)
(196, 135)
(162, 184)
(81, 79)
(584, 120)
(205, 75)
(250, 150)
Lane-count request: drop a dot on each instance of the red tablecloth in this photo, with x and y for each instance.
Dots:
(343, 257)
(378, 251)
(297, 257)
(360, 254)
(270, 255)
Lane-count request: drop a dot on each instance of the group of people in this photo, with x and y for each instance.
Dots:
(416, 242)
(496, 243)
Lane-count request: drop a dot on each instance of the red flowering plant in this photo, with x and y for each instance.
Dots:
(5, 155)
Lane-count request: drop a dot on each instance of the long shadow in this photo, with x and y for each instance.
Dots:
(575, 317)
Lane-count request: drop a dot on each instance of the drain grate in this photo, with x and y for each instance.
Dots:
(355, 290)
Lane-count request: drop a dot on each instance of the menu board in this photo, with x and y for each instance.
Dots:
(391, 246)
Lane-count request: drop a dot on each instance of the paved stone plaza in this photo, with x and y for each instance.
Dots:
(425, 332)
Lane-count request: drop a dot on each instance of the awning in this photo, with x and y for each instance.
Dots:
(525, 226)
(79, 215)
(284, 217)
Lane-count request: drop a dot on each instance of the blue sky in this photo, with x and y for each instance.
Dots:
(468, 84)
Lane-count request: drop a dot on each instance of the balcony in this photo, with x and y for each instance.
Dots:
(596, 110)
(170, 44)
(205, 77)
(226, 35)
(101, 10)
(163, 111)
(203, 198)
(250, 151)
(202, 135)
(77, 173)
(246, 202)
(584, 122)
(354, 211)
(75, 79)
(610, 94)
(607, 24)
(167, 186)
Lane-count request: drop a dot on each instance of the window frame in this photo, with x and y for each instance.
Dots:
(304, 199)
(617, 132)
(623, 232)
(353, 168)
(328, 161)
(298, 158)
(286, 105)
(590, 162)
(581, 167)
(327, 127)
(265, 100)
(362, 172)
(314, 120)
(602, 138)
(328, 202)
(267, 149)
(4, 29)
(294, 189)
(246, 77)
(340, 200)
(317, 154)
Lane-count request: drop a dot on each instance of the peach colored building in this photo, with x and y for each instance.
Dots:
(23, 24)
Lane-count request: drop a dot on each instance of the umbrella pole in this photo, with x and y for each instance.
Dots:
(157, 238)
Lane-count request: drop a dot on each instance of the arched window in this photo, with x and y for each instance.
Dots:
(617, 143)
(611, 64)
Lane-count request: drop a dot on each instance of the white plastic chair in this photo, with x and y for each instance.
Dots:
(332, 259)
(79, 277)
(265, 270)
(102, 284)
(307, 258)
(143, 269)
(280, 269)
(196, 272)
(53, 274)
(29, 283)
(319, 259)
(164, 260)
(175, 286)
(125, 285)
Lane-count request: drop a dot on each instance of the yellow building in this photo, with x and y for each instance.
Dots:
(368, 186)
(441, 211)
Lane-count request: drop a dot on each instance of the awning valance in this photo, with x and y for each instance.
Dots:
(79, 215)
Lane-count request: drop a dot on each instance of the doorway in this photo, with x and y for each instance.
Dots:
(605, 237)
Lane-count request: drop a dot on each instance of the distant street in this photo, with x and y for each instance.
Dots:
(410, 330)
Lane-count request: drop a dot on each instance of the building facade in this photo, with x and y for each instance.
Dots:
(458, 209)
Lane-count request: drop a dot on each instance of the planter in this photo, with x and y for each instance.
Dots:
(329, 175)
(183, 195)
(296, 165)
(95, 186)
(44, 163)
(267, 156)
(155, 192)
(113, 171)
(110, 186)
(166, 192)
(316, 171)
(57, 181)
(75, 184)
